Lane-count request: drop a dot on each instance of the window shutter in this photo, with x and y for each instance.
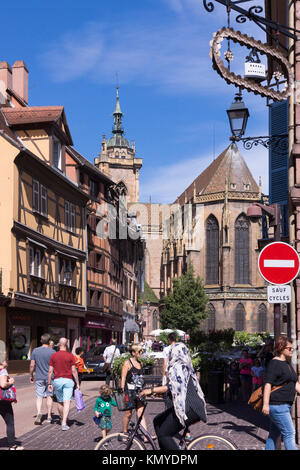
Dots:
(67, 214)
(35, 195)
(44, 200)
(73, 217)
(278, 162)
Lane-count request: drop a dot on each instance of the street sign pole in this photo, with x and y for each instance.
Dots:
(277, 307)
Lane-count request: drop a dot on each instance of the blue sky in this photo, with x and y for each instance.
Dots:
(174, 104)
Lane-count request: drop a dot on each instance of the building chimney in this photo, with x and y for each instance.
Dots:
(5, 81)
(20, 80)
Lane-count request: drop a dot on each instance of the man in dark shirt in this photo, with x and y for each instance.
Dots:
(62, 363)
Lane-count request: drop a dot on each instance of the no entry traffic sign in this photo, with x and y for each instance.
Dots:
(278, 263)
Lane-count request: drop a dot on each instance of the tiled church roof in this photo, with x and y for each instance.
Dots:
(229, 166)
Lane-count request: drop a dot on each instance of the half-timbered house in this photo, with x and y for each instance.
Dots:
(43, 231)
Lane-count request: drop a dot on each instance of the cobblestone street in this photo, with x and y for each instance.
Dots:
(247, 429)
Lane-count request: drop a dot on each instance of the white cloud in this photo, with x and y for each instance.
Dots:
(174, 58)
(166, 183)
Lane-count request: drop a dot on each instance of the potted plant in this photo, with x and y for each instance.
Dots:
(147, 363)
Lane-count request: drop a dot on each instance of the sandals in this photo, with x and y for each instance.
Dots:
(16, 447)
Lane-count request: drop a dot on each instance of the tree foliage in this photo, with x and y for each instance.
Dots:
(185, 306)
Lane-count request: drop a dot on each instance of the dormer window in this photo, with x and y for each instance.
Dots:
(233, 186)
(246, 186)
(57, 154)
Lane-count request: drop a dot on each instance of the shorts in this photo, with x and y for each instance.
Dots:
(41, 389)
(63, 389)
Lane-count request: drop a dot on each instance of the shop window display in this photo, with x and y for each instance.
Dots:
(20, 343)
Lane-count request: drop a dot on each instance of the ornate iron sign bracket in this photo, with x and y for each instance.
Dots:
(252, 15)
(278, 143)
(245, 83)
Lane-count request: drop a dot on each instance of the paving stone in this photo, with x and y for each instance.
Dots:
(238, 422)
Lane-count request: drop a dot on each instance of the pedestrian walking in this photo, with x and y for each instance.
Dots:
(40, 359)
(257, 374)
(62, 364)
(79, 363)
(103, 409)
(110, 354)
(6, 409)
(277, 404)
(245, 375)
(234, 381)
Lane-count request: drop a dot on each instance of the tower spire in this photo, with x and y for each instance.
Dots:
(118, 129)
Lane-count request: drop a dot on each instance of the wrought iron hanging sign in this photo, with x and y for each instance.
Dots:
(246, 83)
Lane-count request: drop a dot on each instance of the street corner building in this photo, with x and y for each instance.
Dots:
(57, 276)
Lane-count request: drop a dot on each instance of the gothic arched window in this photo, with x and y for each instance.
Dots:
(240, 317)
(262, 318)
(210, 321)
(155, 320)
(212, 250)
(241, 249)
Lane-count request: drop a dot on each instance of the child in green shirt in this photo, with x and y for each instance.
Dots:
(103, 409)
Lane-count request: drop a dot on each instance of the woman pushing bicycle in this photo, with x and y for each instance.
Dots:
(188, 404)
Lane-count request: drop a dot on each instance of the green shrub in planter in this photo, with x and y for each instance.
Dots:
(147, 363)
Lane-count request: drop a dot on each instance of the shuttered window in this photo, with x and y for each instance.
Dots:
(278, 160)
(39, 198)
(240, 318)
(212, 250)
(241, 248)
(70, 216)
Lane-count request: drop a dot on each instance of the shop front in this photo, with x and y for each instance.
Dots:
(99, 330)
(24, 330)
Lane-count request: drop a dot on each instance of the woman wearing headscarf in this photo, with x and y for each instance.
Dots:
(188, 404)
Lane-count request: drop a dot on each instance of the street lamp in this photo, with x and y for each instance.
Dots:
(238, 116)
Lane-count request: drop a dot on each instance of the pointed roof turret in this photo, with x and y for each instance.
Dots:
(118, 109)
(118, 140)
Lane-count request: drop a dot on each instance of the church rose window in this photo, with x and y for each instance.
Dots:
(212, 250)
(241, 250)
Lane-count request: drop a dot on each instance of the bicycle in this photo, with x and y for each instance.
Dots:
(133, 440)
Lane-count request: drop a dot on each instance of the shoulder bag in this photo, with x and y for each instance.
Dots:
(256, 398)
(8, 394)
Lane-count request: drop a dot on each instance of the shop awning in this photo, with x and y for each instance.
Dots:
(131, 325)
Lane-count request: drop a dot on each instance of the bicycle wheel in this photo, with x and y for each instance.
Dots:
(211, 442)
(118, 441)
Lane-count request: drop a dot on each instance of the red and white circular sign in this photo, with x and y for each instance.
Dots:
(278, 263)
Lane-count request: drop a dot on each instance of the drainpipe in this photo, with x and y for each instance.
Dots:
(292, 219)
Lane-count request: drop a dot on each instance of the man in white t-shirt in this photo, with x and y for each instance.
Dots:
(110, 354)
